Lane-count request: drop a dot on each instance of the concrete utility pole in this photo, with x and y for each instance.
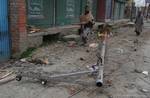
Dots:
(133, 11)
(113, 10)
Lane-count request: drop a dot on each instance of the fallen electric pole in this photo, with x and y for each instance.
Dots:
(98, 68)
(100, 63)
(103, 34)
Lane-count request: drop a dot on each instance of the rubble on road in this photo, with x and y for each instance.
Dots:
(93, 45)
(109, 82)
(72, 37)
(87, 51)
(72, 43)
(118, 50)
(145, 73)
(23, 60)
(6, 76)
(33, 29)
(138, 71)
(40, 61)
(144, 90)
(121, 68)
(82, 59)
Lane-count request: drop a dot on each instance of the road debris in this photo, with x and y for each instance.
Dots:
(77, 92)
(82, 59)
(135, 49)
(72, 37)
(93, 67)
(136, 41)
(40, 61)
(131, 24)
(121, 81)
(118, 50)
(71, 43)
(6, 75)
(33, 29)
(144, 90)
(93, 45)
(8, 79)
(87, 51)
(23, 60)
(109, 82)
(145, 73)
(138, 71)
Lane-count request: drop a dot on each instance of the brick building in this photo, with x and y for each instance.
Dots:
(42, 14)
(17, 24)
(50, 15)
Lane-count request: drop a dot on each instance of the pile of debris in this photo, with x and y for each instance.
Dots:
(33, 29)
(6, 76)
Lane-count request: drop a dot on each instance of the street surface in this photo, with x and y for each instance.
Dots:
(127, 57)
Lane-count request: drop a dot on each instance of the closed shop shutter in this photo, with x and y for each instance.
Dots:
(108, 9)
(48, 13)
(117, 11)
(40, 13)
(83, 4)
(122, 11)
(67, 12)
(94, 8)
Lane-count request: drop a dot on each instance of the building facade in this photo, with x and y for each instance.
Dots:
(119, 8)
(51, 13)
(110, 10)
(19, 14)
(16, 15)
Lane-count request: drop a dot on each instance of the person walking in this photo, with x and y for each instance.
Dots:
(87, 22)
(139, 23)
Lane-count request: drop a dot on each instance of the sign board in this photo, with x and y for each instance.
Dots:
(70, 8)
(35, 9)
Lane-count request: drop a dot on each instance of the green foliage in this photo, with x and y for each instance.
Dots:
(28, 52)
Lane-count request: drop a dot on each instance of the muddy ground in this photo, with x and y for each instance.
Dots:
(127, 57)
